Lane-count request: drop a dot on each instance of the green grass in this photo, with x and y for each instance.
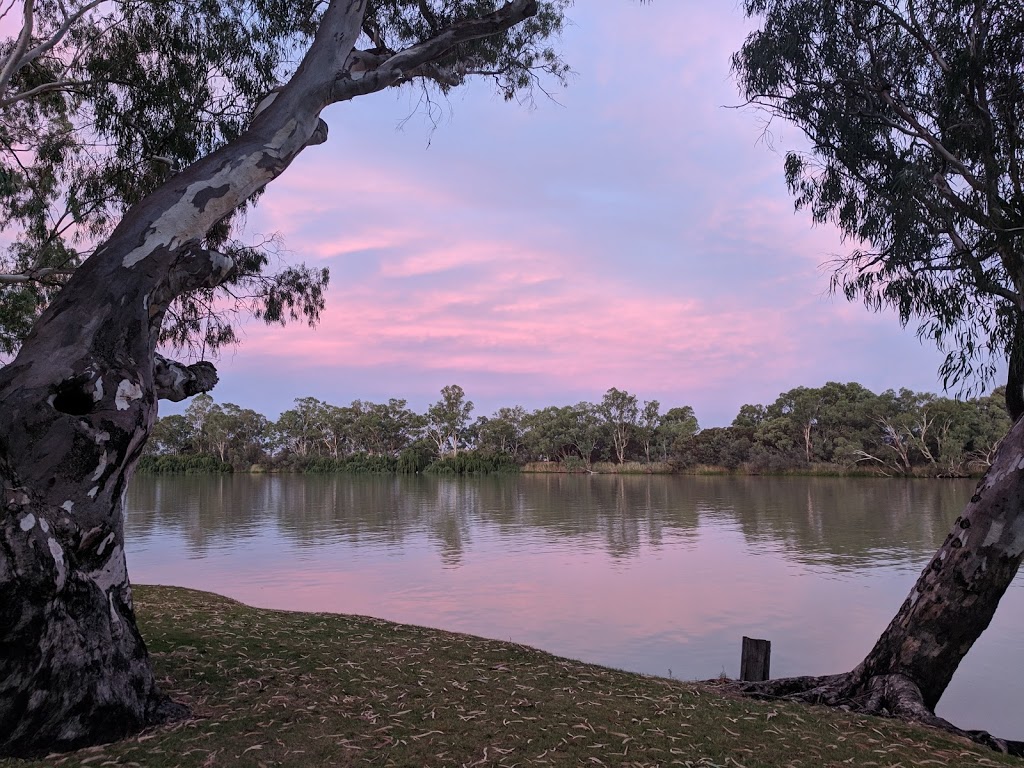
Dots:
(272, 688)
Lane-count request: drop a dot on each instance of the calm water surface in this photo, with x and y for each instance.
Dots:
(653, 574)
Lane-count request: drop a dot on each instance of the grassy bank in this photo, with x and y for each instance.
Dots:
(272, 688)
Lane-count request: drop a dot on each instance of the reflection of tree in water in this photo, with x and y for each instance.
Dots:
(205, 508)
(620, 513)
(840, 522)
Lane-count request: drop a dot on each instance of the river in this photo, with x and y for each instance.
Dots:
(655, 574)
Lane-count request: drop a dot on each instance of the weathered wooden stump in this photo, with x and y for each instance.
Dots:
(755, 660)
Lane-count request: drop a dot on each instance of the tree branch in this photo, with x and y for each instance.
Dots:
(35, 275)
(39, 90)
(366, 72)
(13, 63)
(57, 36)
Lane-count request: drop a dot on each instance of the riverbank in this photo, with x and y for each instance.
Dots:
(274, 688)
(470, 465)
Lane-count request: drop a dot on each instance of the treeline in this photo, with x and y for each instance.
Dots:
(834, 428)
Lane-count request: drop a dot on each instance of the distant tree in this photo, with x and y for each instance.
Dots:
(336, 429)
(172, 435)
(647, 425)
(391, 426)
(905, 429)
(621, 415)
(546, 431)
(217, 432)
(504, 432)
(448, 419)
(247, 434)
(727, 447)
(750, 416)
(583, 427)
(676, 425)
(196, 414)
(913, 111)
(299, 431)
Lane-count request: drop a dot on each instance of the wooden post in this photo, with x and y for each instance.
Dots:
(755, 660)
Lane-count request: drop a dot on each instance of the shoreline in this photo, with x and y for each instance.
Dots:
(631, 469)
(312, 689)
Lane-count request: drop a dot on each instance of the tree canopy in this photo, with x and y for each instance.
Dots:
(101, 103)
(914, 112)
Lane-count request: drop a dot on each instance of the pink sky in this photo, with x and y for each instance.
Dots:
(635, 234)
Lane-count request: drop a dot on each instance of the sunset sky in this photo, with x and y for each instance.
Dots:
(635, 233)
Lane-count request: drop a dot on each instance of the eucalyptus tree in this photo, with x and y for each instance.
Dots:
(336, 429)
(545, 433)
(80, 397)
(675, 426)
(171, 435)
(196, 414)
(243, 433)
(621, 414)
(299, 431)
(913, 110)
(503, 432)
(582, 427)
(447, 420)
(647, 425)
(100, 103)
(385, 428)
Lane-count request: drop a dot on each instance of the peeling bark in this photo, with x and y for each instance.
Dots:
(952, 603)
(78, 402)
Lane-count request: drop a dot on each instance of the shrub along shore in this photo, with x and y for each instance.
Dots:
(471, 463)
(276, 688)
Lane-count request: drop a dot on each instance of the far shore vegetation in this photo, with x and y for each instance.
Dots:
(835, 429)
(277, 688)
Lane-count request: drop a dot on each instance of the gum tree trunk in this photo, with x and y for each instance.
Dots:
(78, 402)
(952, 603)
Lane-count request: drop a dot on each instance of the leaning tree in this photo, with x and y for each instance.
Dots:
(914, 111)
(140, 122)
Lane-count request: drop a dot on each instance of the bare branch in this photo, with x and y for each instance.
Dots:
(35, 275)
(13, 63)
(58, 35)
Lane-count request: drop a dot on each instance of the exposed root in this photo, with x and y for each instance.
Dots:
(165, 710)
(894, 696)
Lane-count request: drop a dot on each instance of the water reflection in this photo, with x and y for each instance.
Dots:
(841, 524)
(645, 573)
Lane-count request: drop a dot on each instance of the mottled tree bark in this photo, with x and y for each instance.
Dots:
(79, 400)
(952, 603)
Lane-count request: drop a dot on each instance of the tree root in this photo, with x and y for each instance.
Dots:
(894, 696)
(165, 710)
